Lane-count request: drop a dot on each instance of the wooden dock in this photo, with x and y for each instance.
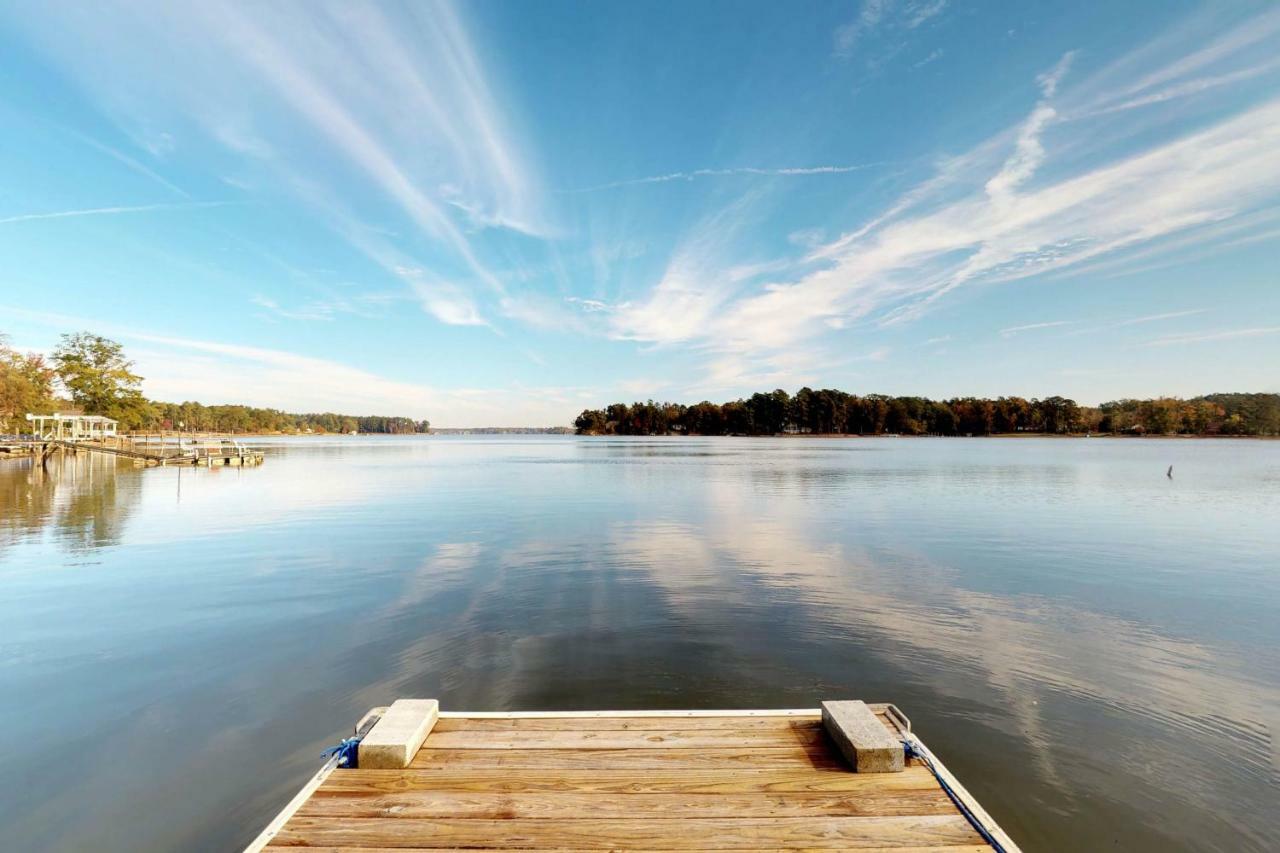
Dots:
(143, 451)
(635, 780)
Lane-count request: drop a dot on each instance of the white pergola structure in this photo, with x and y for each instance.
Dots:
(60, 427)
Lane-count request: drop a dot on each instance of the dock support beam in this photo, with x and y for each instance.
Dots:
(865, 743)
(394, 741)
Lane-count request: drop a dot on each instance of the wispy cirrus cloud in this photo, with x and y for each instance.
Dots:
(987, 216)
(1029, 152)
(1188, 88)
(1214, 335)
(933, 56)
(1167, 315)
(364, 305)
(132, 163)
(918, 13)
(112, 211)
(876, 16)
(392, 100)
(847, 36)
(1031, 327)
(787, 172)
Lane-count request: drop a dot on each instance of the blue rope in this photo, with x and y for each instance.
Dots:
(348, 752)
(912, 752)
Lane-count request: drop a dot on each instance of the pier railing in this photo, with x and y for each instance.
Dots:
(161, 449)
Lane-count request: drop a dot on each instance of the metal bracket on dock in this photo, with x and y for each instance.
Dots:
(899, 719)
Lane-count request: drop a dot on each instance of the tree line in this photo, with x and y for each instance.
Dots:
(93, 374)
(832, 412)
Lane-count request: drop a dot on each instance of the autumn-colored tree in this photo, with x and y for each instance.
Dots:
(26, 385)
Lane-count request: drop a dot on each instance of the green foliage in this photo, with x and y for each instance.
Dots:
(828, 412)
(26, 385)
(100, 379)
(247, 419)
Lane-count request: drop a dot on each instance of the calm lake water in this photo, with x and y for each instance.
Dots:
(1091, 646)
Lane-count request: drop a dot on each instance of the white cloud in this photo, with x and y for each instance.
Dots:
(1013, 330)
(789, 172)
(847, 35)
(885, 27)
(1239, 41)
(918, 13)
(1028, 151)
(1215, 335)
(590, 305)
(695, 285)
(966, 226)
(934, 56)
(112, 211)
(1049, 80)
(542, 312)
(395, 99)
(365, 305)
(132, 163)
(1168, 315)
(1188, 88)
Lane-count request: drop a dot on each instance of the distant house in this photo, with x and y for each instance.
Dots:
(62, 426)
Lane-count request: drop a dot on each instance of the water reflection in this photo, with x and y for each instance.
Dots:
(77, 496)
(1093, 650)
(1160, 708)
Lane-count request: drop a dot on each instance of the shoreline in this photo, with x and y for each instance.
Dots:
(1001, 435)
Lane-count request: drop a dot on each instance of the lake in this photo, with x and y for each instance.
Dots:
(1091, 646)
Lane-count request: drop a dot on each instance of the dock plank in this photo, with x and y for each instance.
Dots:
(620, 759)
(666, 739)
(948, 848)
(663, 781)
(945, 848)
(586, 724)
(744, 781)
(450, 804)
(655, 834)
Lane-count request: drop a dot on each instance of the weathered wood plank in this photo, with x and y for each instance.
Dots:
(633, 759)
(448, 804)
(947, 848)
(667, 739)
(655, 834)
(730, 712)
(589, 724)
(660, 781)
(632, 781)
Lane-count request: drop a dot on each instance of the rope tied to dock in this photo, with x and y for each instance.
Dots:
(912, 752)
(347, 752)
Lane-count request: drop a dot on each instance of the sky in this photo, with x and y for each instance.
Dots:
(501, 213)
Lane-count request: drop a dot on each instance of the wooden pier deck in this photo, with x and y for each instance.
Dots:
(720, 780)
(146, 452)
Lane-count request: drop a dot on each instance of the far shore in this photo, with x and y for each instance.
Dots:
(15, 451)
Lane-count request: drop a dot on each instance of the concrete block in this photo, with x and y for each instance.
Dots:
(395, 739)
(863, 740)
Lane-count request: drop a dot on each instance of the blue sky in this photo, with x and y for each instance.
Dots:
(501, 213)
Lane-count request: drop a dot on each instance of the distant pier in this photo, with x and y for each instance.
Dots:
(143, 450)
(207, 454)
